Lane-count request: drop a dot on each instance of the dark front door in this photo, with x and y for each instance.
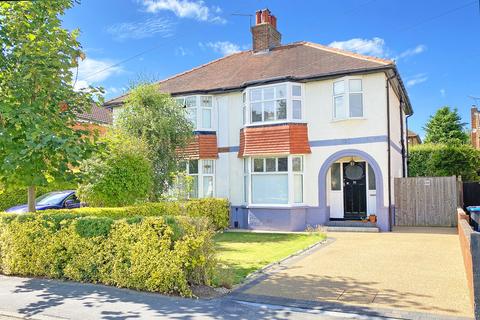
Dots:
(354, 191)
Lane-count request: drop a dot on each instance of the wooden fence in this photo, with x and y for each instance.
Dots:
(427, 201)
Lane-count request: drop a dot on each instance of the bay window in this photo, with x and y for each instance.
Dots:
(273, 180)
(273, 103)
(199, 110)
(347, 99)
(203, 178)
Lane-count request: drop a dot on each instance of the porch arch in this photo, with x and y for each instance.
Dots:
(322, 180)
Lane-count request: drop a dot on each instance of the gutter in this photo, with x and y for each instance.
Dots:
(389, 151)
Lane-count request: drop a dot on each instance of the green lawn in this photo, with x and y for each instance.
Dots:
(243, 252)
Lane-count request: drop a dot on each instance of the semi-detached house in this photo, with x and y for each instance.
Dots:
(295, 135)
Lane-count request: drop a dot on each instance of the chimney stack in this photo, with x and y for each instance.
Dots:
(264, 33)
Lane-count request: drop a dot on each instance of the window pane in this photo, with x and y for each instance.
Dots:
(356, 105)
(281, 109)
(180, 101)
(244, 97)
(244, 114)
(296, 91)
(207, 186)
(268, 111)
(258, 165)
(256, 112)
(208, 166)
(192, 116)
(245, 165)
(297, 164)
(191, 102)
(193, 166)
(335, 176)
(194, 190)
(371, 179)
(206, 101)
(281, 91)
(339, 109)
(339, 87)
(256, 94)
(282, 164)
(207, 118)
(297, 109)
(270, 188)
(298, 188)
(270, 164)
(268, 93)
(245, 188)
(355, 85)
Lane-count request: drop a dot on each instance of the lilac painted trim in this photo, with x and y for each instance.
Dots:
(322, 180)
(346, 141)
(395, 147)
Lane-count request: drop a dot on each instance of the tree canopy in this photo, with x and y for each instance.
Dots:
(158, 120)
(38, 103)
(446, 126)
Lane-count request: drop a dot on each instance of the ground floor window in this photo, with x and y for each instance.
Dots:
(273, 180)
(202, 173)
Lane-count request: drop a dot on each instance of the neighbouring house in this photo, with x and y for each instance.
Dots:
(413, 138)
(98, 119)
(475, 125)
(294, 135)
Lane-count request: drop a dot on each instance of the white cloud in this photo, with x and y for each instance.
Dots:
(181, 51)
(416, 79)
(93, 71)
(375, 46)
(185, 9)
(412, 52)
(443, 93)
(223, 47)
(139, 30)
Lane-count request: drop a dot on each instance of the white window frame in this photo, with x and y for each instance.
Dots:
(247, 105)
(200, 175)
(248, 173)
(346, 98)
(199, 110)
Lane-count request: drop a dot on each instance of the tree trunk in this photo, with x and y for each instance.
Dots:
(31, 199)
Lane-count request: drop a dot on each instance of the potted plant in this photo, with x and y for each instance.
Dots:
(372, 218)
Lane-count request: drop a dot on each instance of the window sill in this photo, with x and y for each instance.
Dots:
(276, 206)
(348, 119)
(259, 124)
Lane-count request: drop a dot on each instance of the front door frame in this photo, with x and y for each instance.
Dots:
(363, 211)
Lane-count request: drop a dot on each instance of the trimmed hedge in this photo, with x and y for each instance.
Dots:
(10, 197)
(159, 254)
(216, 210)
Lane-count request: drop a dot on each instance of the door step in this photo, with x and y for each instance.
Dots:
(351, 226)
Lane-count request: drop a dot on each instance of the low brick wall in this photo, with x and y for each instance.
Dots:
(470, 246)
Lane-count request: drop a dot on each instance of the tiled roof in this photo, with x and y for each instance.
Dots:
(97, 114)
(277, 139)
(296, 61)
(203, 146)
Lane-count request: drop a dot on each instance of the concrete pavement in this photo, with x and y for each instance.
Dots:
(411, 273)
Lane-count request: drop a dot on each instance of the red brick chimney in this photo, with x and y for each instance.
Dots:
(264, 33)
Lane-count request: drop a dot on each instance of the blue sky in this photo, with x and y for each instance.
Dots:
(435, 43)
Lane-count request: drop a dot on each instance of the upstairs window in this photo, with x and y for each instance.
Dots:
(273, 103)
(199, 110)
(347, 99)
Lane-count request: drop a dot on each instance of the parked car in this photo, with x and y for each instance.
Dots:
(65, 199)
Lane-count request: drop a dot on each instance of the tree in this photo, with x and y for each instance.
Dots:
(120, 175)
(38, 103)
(446, 126)
(156, 118)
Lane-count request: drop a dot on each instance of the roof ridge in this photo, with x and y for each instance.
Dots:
(348, 53)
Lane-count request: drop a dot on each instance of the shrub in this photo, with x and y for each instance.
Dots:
(160, 254)
(444, 160)
(10, 197)
(121, 176)
(216, 210)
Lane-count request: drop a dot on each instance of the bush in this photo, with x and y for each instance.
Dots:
(215, 210)
(159, 254)
(444, 160)
(121, 176)
(10, 197)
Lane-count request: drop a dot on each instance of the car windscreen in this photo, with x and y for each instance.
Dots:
(52, 198)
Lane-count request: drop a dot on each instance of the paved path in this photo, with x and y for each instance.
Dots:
(408, 272)
(53, 300)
